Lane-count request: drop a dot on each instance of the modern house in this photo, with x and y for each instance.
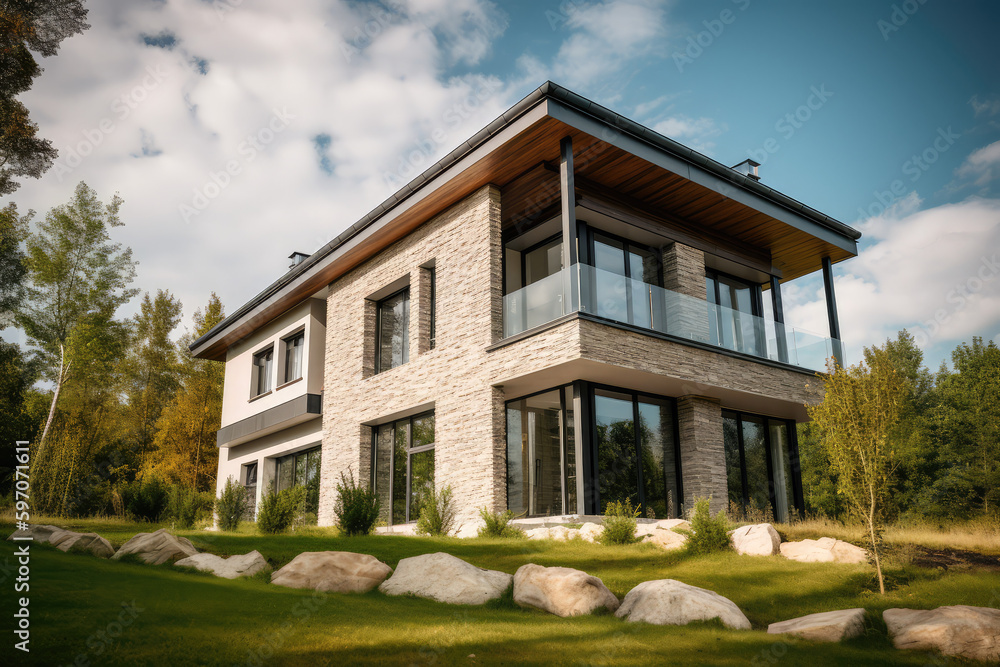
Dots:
(567, 310)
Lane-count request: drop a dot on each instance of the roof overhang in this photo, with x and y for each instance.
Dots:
(526, 135)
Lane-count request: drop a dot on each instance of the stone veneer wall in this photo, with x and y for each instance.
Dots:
(703, 456)
(454, 378)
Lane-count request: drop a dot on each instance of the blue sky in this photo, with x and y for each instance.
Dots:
(885, 116)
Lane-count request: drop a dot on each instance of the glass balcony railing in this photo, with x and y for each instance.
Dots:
(583, 288)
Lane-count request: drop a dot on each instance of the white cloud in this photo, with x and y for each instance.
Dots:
(985, 107)
(693, 132)
(982, 164)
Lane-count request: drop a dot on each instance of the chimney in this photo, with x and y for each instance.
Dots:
(748, 168)
(297, 258)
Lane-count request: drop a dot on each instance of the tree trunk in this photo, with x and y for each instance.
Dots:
(871, 533)
(63, 371)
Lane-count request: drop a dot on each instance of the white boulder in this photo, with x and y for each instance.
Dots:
(157, 548)
(671, 602)
(758, 540)
(445, 578)
(245, 565)
(561, 591)
(67, 540)
(333, 572)
(670, 524)
(968, 632)
(827, 626)
(591, 532)
(667, 540)
(823, 550)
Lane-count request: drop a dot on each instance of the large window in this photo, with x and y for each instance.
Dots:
(737, 324)
(293, 356)
(541, 455)
(760, 456)
(301, 469)
(403, 466)
(250, 484)
(635, 439)
(623, 272)
(392, 340)
(262, 363)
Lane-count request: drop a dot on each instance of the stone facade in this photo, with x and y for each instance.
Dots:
(703, 457)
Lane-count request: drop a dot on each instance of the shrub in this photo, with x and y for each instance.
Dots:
(185, 505)
(707, 534)
(497, 524)
(357, 507)
(278, 510)
(437, 516)
(231, 505)
(619, 523)
(145, 500)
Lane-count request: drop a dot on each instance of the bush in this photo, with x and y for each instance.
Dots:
(357, 507)
(497, 524)
(619, 523)
(185, 505)
(231, 505)
(278, 510)
(707, 534)
(437, 516)
(145, 500)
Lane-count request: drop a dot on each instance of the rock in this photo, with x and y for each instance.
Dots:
(233, 567)
(447, 579)
(667, 540)
(591, 532)
(670, 524)
(823, 550)
(538, 534)
(969, 632)
(469, 529)
(157, 548)
(561, 591)
(333, 572)
(67, 540)
(759, 540)
(671, 602)
(562, 533)
(643, 528)
(828, 626)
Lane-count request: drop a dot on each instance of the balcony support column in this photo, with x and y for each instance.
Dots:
(570, 250)
(831, 311)
(779, 320)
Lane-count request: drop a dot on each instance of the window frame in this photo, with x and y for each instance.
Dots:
(255, 380)
(432, 334)
(378, 330)
(410, 451)
(794, 463)
(299, 335)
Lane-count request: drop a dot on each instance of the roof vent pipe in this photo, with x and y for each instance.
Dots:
(297, 258)
(748, 168)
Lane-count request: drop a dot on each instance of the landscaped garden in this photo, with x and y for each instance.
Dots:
(87, 610)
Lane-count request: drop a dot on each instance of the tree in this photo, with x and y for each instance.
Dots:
(151, 368)
(26, 26)
(13, 230)
(184, 444)
(861, 408)
(78, 279)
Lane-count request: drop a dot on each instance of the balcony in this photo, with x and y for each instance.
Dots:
(586, 289)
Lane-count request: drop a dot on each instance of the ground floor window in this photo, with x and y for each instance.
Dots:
(578, 448)
(301, 469)
(403, 466)
(250, 484)
(761, 466)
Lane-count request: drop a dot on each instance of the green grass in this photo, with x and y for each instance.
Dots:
(188, 617)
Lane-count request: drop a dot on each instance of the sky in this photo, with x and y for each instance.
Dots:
(239, 131)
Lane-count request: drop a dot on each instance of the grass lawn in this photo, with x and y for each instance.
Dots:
(183, 617)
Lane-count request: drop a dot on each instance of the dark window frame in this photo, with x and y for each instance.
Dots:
(299, 335)
(410, 451)
(793, 460)
(378, 330)
(433, 305)
(255, 383)
(756, 309)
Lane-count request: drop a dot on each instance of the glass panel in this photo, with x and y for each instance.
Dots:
(383, 470)
(421, 480)
(616, 456)
(293, 357)
(643, 269)
(399, 461)
(300, 469)
(423, 431)
(609, 259)
(570, 451)
(734, 469)
(251, 474)
(755, 457)
(262, 362)
(394, 323)
(534, 461)
(286, 473)
(784, 497)
(659, 470)
(542, 262)
(517, 491)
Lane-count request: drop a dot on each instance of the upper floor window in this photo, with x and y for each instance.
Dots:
(392, 340)
(293, 356)
(433, 324)
(737, 324)
(262, 363)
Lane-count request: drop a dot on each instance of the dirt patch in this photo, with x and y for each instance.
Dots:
(952, 559)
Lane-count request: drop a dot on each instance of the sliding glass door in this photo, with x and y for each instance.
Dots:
(760, 458)
(403, 466)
